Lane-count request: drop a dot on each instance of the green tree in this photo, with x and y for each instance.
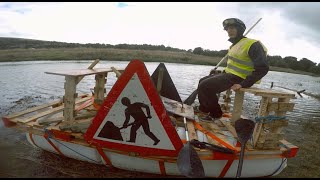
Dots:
(198, 50)
(291, 62)
(306, 65)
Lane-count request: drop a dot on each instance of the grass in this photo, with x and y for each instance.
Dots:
(12, 55)
(102, 53)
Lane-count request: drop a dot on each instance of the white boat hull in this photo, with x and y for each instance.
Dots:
(212, 168)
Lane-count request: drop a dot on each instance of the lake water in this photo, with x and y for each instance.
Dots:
(25, 84)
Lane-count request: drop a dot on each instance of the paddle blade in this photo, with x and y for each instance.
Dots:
(244, 129)
(189, 163)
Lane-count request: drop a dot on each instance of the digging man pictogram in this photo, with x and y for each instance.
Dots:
(140, 119)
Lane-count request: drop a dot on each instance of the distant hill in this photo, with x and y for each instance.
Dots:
(14, 43)
(19, 47)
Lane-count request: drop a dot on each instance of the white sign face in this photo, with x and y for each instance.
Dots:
(142, 130)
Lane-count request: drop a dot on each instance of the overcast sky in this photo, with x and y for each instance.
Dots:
(286, 28)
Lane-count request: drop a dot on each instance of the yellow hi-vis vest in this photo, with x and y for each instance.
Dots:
(239, 63)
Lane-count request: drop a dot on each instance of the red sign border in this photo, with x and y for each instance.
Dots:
(135, 66)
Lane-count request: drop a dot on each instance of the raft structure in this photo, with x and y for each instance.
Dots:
(110, 128)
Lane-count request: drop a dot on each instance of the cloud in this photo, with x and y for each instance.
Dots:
(300, 17)
(182, 25)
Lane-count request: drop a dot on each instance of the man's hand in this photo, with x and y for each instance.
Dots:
(236, 87)
(213, 71)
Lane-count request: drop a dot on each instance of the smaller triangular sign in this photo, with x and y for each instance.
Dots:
(168, 89)
(133, 118)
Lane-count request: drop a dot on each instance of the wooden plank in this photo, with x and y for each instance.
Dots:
(81, 72)
(48, 112)
(276, 124)
(280, 106)
(212, 141)
(230, 128)
(262, 112)
(14, 115)
(267, 92)
(214, 129)
(280, 113)
(175, 107)
(118, 73)
(61, 118)
(191, 131)
(51, 111)
(90, 67)
(237, 107)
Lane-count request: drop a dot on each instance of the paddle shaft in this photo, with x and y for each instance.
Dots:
(244, 129)
(240, 160)
(186, 128)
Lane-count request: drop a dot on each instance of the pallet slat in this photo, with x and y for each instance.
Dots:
(51, 111)
(33, 109)
(191, 131)
(81, 72)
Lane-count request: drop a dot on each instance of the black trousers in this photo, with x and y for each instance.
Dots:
(210, 86)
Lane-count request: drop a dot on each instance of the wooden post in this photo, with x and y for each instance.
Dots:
(69, 98)
(160, 78)
(99, 88)
(237, 106)
(118, 73)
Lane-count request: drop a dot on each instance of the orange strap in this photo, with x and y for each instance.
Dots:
(200, 128)
(162, 167)
(226, 168)
(228, 165)
(54, 146)
(103, 155)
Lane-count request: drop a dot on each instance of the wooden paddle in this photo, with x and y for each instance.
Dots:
(244, 129)
(189, 163)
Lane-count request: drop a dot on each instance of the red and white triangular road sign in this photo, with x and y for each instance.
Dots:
(134, 101)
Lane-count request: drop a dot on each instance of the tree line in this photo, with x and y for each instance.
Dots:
(291, 62)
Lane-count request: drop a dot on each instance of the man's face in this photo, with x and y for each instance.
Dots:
(232, 31)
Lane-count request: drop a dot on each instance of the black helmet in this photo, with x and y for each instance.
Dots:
(234, 21)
